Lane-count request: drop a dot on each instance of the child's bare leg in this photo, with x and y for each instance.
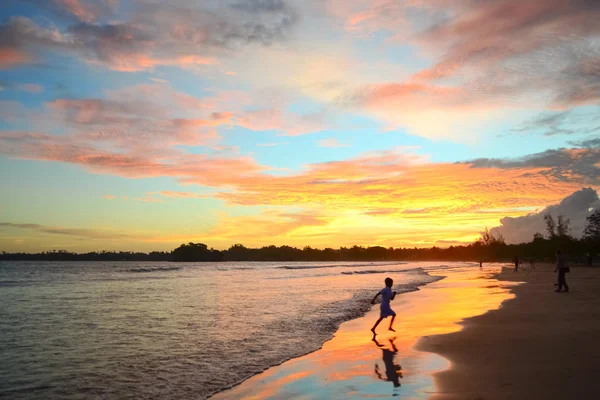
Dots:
(392, 323)
(375, 326)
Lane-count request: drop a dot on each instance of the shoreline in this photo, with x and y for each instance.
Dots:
(333, 334)
(539, 345)
(342, 367)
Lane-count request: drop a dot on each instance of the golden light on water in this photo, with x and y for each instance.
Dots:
(345, 365)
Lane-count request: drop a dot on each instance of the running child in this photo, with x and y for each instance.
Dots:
(386, 311)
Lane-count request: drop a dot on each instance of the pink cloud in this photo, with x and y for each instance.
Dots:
(368, 16)
(78, 9)
(333, 142)
(109, 197)
(141, 62)
(30, 88)
(11, 57)
(143, 118)
(287, 124)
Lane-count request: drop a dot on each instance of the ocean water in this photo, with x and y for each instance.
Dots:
(149, 330)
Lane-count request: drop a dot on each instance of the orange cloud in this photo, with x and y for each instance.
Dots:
(254, 229)
(149, 199)
(109, 197)
(388, 198)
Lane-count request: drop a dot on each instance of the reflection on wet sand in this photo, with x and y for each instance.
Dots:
(393, 371)
(344, 367)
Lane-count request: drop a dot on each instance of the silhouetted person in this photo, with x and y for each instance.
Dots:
(386, 311)
(589, 259)
(532, 263)
(480, 263)
(517, 261)
(562, 268)
(393, 372)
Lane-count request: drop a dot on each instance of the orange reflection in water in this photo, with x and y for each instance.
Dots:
(351, 365)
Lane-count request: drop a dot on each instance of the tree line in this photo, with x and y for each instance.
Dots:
(487, 248)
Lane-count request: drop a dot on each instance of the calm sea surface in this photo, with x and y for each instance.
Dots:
(162, 330)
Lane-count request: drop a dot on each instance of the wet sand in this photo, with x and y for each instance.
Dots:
(541, 345)
(351, 365)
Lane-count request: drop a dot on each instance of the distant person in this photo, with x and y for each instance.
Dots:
(532, 263)
(480, 263)
(589, 259)
(562, 268)
(393, 372)
(517, 261)
(386, 311)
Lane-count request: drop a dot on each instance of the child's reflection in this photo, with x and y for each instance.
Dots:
(393, 372)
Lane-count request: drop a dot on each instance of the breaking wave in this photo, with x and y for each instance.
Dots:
(337, 265)
(153, 269)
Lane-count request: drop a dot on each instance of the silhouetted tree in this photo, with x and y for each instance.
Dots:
(195, 252)
(550, 225)
(488, 239)
(592, 227)
(562, 227)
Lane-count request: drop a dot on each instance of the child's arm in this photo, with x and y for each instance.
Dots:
(375, 298)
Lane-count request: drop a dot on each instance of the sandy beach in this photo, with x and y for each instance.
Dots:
(540, 345)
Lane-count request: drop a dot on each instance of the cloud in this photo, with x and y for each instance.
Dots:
(78, 10)
(158, 80)
(576, 207)
(135, 119)
(272, 223)
(568, 122)
(183, 195)
(157, 33)
(149, 199)
(30, 88)
(332, 142)
(593, 143)
(23, 87)
(109, 197)
(12, 57)
(285, 123)
(365, 18)
(488, 59)
(385, 197)
(546, 49)
(82, 233)
(270, 144)
(155, 116)
(563, 164)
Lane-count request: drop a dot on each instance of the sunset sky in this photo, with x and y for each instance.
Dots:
(143, 124)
